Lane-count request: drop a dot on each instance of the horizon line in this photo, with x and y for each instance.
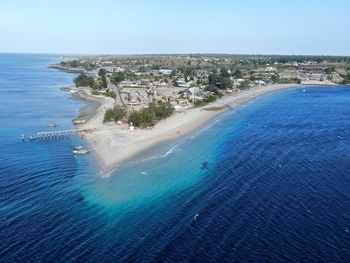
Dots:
(166, 54)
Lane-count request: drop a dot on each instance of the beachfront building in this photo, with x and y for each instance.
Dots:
(182, 83)
(236, 82)
(259, 82)
(195, 93)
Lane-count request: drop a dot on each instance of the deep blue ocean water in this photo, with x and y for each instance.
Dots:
(269, 182)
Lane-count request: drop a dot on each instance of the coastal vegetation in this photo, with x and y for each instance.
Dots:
(115, 114)
(102, 76)
(346, 80)
(110, 93)
(155, 112)
(329, 70)
(107, 93)
(117, 78)
(95, 92)
(78, 64)
(221, 81)
(71, 63)
(82, 80)
(245, 85)
(101, 82)
(205, 101)
(277, 80)
(213, 89)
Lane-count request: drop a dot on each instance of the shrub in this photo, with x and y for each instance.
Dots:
(118, 77)
(115, 114)
(245, 84)
(95, 92)
(111, 94)
(346, 80)
(207, 100)
(149, 116)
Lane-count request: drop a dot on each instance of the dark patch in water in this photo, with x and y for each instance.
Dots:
(205, 166)
(80, 199)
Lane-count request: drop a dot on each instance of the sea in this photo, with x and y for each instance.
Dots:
(267, 182)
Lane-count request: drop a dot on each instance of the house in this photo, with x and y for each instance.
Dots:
(271, 69)
(195, 93)
(183, 83)
(119, 69)
(236, 82)
(165, 71)
(106, 63)
(178, 107)
(260, 82)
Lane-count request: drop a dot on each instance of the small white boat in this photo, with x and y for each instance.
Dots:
(79, 121)
(54, 125)
(78, 147)
(81, 151)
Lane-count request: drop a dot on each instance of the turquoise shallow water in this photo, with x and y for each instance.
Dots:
(266, 182)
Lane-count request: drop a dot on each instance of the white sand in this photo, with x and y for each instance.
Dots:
(115, 144)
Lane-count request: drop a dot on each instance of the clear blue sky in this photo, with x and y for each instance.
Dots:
(178, 26)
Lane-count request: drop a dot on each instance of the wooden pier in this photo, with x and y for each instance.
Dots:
(61, 134)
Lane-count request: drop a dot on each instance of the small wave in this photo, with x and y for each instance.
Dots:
(159, 155)
(107, 174)
(207, 127)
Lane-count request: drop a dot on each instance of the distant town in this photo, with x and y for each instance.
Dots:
(179, 82)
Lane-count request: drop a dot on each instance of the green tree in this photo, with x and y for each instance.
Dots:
(329, 70)
(115, 114)
(118, 77)
(149, 116)
(275, 79)
(104, 81)
(73, 63)
(212, 88)
(213, 79)
(225, 83)
(110, 93)
(82, 80)
(102, 72)
(238, 73)
(245, 84)
(224, 72)
(346, 80)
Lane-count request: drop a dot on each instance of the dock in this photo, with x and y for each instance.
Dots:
(61, 134)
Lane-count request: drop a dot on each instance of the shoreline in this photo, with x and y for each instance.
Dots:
(93, 104)
(115, 144)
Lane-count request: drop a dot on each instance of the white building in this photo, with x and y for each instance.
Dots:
(260, 82)
(195, 93)
(237, 82)
(183, 83)
(271, 69)
(165, 71)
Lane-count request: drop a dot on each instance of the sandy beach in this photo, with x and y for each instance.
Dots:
(115, 143)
